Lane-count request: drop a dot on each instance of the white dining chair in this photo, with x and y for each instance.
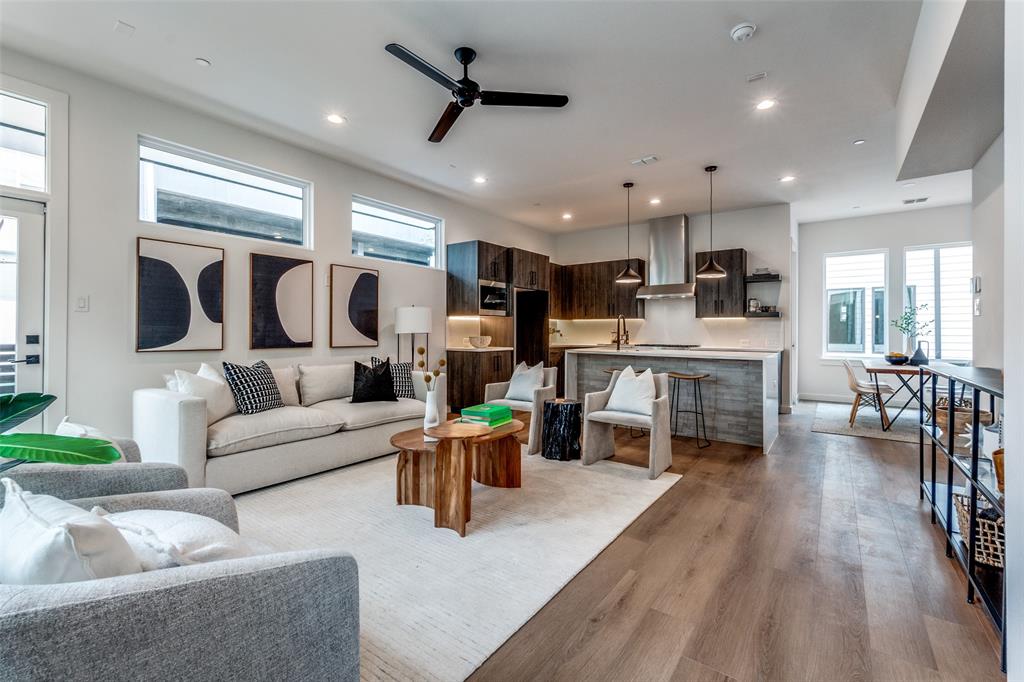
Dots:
(867, 393)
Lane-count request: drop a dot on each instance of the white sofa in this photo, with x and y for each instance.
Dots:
(244, 452)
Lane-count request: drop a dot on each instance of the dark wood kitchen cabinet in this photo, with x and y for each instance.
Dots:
(469, 371)
(725, 297)
(559, 308)
(530, 270)
(467, 264)
(594, 294)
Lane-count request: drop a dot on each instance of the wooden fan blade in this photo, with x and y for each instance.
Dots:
(521, 99)
(427, 69)
(446, 121)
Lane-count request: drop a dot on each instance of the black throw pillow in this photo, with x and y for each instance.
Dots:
(372, 384)
(401, 373)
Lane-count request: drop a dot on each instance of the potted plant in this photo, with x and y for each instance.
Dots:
(911, 326)
(18, 448)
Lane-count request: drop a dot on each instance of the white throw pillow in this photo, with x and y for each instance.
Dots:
(525, 380)
(210, 385)
(318, 383)
(633, 393)
(162, 538)
(66, 428)
(170, 382)
(47, 540)
(286, 384)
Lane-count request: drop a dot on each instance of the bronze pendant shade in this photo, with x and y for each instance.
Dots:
(711, 269)
(628, 275)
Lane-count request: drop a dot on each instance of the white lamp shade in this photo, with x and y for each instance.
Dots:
(412, 319)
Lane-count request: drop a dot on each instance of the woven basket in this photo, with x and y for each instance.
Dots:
(990, 544)
(962, 419)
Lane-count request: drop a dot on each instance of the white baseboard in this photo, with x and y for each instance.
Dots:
(845, 398)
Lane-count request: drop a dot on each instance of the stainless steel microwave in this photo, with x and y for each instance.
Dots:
(493, 298)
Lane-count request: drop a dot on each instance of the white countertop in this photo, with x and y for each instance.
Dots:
(471, 349)
(702, 353)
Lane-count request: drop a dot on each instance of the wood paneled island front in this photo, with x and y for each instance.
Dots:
(741, 395)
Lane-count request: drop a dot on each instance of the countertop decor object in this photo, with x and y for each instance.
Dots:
(628, 274)
(479, 341)
(412, 319)
(711, 269)
(896, 359)
(563, 419)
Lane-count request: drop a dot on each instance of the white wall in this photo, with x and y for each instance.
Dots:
(105, 119)
(987, 233)
(764, 232)
(1013, 332)
(826, 379)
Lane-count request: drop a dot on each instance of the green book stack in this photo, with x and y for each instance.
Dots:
(488, 415)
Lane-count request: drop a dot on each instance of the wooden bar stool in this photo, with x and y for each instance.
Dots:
(677, 378)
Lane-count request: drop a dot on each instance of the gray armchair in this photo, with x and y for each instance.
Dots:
(598, 425)
(495, 394)
(290, 615)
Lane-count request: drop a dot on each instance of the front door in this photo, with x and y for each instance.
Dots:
(22, 249)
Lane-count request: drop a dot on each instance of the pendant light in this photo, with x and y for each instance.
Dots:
(628, 275)
(711, 269)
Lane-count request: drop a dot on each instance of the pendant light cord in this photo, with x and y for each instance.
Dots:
(627, 226)
(711, 210)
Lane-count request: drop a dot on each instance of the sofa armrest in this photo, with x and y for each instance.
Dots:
(69, 482)
(211, 502)
(292, 615)
(496, 391)
(171, 427)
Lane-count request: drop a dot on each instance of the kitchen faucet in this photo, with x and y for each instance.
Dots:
(621, 333)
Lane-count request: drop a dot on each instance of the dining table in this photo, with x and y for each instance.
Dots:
(904, 373)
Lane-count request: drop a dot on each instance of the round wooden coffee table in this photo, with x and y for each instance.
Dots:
(438, 474)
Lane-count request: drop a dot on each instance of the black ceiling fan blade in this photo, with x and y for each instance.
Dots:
(429, 70)
(521, 99)
(445, 123)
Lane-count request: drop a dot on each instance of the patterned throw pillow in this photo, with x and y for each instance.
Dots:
(373, 384)
(401, 376)
(254, 387)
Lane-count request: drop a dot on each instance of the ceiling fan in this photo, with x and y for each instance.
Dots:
(468, 92)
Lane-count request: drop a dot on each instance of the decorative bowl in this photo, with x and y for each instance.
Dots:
(899, 359)
(479, 341)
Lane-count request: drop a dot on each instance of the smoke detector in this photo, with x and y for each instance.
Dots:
(743, 32)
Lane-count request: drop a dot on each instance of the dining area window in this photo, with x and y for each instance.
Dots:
(855, 303)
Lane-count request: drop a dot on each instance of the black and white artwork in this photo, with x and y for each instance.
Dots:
(280, 302)
(355, 299)
(180, 299)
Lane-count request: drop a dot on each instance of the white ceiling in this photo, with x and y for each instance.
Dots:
(643, 78)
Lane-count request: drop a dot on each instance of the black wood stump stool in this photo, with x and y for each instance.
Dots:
(677, 378)
(563, 420)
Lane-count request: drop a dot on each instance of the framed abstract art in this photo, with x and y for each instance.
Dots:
(280, 302)
(355, 304)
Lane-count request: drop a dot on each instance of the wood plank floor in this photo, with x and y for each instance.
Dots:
(817, 562)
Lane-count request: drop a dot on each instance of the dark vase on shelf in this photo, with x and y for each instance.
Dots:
(920, 357)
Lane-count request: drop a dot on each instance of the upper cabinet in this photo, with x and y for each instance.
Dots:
(492, 261)
(468, 263)
(558, 306)
(530, 270)
(588, 291)
(725, 297)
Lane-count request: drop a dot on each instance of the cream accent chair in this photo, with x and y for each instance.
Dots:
(598, 424)
(495, 395)
(867, 394)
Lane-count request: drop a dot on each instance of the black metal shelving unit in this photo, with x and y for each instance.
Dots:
(963, 460)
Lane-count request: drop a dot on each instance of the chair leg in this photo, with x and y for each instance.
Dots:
(885, 416)
(853, 410)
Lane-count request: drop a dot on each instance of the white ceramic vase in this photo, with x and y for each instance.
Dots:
(432, 416)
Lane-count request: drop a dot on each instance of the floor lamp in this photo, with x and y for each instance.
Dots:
(412, 319)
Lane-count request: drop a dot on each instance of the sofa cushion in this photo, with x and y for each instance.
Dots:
(325, 382)
(287, 383)
(519, 405)
(241, 432)
(362, 415)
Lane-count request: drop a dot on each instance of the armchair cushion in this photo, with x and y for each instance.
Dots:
(93, 480)
(520, 405)
(281, 425)
(525, 380)
(621, 418)
(354, 416)
(633, 392)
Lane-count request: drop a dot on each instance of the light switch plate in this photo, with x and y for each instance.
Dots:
(977, 306)
(82, 304)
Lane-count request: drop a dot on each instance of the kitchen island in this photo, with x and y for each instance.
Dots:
(740, 395)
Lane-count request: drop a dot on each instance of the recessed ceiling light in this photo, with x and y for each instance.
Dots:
(909, 184)
(479, 179)
(655, 201)
(123, 28)
(336, 119)
(859, 141)
(203, 62)
(766, 104)
(567, 216)
(787, 178)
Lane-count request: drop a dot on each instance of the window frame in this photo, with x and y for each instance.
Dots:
(937, 275)
(228, 164)
(40, 96)
(439, 231)
(828, 355)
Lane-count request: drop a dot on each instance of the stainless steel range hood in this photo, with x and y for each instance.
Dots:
(668, 264)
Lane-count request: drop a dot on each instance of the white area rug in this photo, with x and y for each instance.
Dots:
(433, 605)
(835, 418)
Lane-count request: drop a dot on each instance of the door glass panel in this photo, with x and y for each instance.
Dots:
(8, 300)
